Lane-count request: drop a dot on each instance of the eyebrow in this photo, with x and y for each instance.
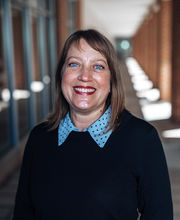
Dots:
(74, 57)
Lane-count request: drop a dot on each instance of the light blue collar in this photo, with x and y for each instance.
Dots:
(97, 130)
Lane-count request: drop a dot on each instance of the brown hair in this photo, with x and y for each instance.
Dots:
(116, 96)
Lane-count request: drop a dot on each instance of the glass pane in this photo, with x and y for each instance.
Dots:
(43, 58)
(37, 84)
(34, 3)
(4, 101)
(22, 94)
(42, 4)
(71, 16)
(47, 4)
(48, 74)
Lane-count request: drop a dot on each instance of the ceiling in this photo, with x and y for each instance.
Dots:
(115, 18)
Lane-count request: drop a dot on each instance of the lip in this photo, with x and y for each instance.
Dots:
(84, 90)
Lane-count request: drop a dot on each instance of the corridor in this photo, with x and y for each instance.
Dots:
(145, 34)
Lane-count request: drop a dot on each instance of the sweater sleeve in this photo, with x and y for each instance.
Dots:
(23, 205)
(155, 202)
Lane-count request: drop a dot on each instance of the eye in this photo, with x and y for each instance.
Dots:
(72, 64)
(99, 67)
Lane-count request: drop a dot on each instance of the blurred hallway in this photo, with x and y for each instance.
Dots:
(145, 34)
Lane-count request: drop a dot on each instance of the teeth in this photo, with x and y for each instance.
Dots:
(84, 90)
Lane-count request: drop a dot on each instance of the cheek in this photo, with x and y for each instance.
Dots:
(64, 84)
(64, 78)
(104, 81)
(67, 79)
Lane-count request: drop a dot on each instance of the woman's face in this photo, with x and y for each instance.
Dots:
(86, 78)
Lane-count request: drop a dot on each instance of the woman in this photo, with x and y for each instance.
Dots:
(92, 159)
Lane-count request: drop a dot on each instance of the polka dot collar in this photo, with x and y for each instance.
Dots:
(97, 130)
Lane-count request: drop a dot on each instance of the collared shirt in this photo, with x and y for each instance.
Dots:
(98, 130)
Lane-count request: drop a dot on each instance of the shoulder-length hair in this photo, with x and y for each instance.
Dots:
(116, 96)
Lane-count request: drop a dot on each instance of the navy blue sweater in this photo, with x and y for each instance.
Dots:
(81, 181)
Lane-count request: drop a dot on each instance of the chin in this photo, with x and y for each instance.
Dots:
(82, 108)
(82, 105)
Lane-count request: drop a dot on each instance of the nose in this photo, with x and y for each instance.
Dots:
(85, 74)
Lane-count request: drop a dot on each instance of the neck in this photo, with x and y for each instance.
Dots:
(84, 120)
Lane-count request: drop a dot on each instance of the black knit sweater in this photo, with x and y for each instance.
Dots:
(81, 181)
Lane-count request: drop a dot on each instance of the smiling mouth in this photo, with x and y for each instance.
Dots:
(84, 90)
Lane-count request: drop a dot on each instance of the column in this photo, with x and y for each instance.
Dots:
(79, 14)
(62, 19)
(165, 50)
(176, 60)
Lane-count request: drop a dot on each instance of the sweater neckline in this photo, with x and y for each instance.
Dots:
(98, 130)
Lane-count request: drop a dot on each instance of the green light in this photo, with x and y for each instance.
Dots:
(125, 45)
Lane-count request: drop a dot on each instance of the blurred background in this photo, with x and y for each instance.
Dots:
(145, 34)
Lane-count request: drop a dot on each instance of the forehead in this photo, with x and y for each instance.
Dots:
(82, 47)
